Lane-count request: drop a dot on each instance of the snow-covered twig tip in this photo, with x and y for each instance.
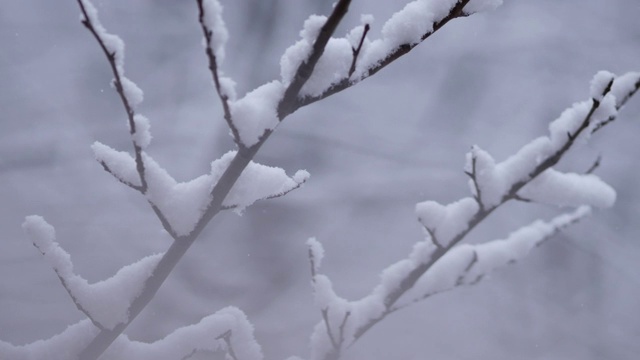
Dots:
(106, 302)
(468, 264)
(130, 94)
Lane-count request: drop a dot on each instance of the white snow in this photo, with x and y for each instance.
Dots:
(446, 221)
(599, 84)
(465, 264)
(316, 252)
(258, 182)
(181, 203)
(228, 87)
(107, 302)
(624, 85)
(63, 346)
(131, 91)
(184, 203)
(498, 253)
(569, 189)
(299, 52)
(142, 136)
(333, 65)
(113, 43)
(206, 335)
(120, 163)
(496, 179)
(214, 22)
(257, 112)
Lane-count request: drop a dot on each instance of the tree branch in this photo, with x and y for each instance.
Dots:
(455, 12)
(290, 101)
(213, 67)
(88, 22)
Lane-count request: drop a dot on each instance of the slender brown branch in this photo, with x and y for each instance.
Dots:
(213, 67)
(356, 51)
(111, 57)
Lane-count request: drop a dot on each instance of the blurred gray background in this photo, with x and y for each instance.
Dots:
(495, 79)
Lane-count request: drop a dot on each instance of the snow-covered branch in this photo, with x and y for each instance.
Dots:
(407, 28)
(440, 263)
(94, 300)
(215, 37)
(227, 330)
(130, 94)
(315, 67)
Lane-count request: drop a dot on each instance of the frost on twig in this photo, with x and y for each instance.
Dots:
(227, 330)
(97, 300)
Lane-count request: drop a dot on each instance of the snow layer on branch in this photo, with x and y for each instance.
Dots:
(131, 91)
(446, 221)
(516, 246)
(332, 67)
(466, 264)
(105, 302)
(316, 254)
(119, 163)
(334, 309)
(495, 180)
(599, 84)
(183, 204)
(624, 85)
(112, 42)
(142, 136)
(213, 21)
(409, 25)
(569, 189)
(299, 52)
(256, 112)
(64, 346)
(206, 335)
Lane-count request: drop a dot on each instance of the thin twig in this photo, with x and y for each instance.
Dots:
(213, 67)
(474, 179)
(325, 318)
(595, 165)
(111, 57)
(227, 339)
(274, 196)
(108, 169)
(455, 12)
(356, 51)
